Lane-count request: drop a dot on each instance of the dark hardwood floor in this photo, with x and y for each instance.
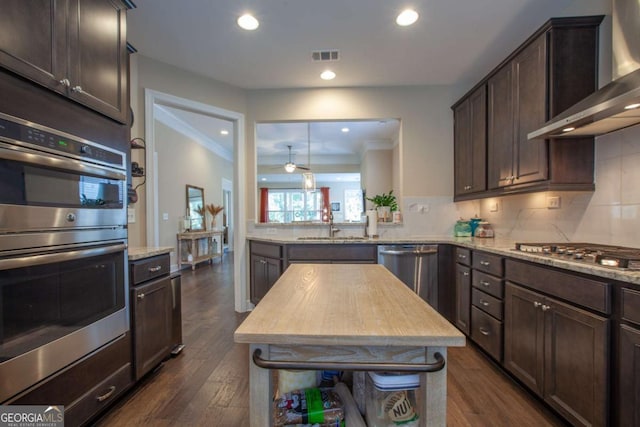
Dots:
(207, 385)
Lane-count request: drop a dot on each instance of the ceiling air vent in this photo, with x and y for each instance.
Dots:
(325, 55)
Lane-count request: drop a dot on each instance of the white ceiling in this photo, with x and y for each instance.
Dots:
(453, 42)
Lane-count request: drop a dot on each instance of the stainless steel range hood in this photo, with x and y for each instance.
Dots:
(609, 108)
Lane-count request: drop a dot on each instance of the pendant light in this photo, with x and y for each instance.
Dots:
(308, 179)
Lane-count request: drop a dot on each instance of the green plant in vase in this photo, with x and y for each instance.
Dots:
(385, 204)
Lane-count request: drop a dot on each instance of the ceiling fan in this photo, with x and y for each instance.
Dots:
(290, 166)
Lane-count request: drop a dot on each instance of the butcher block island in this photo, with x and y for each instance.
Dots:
(356, 317)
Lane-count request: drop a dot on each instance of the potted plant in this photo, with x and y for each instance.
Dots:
(385, 204)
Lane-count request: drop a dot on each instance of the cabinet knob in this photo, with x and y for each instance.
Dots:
(467, 187)
(263, 261)
(465, 273)
(462, 256)
(485, 283)
(483, 302)
(77, 89)
(140, 296)
(537, 304)
(485, 263)
(545, 307)
(65, 82)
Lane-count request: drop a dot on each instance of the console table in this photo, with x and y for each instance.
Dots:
(198, 246)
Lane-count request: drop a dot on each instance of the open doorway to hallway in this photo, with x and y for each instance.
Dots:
(157, 226)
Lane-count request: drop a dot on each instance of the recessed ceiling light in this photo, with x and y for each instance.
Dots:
(345, 130)
(328, 75)
(407, 17)
(631, 106)
(224, 132)
(264, 179)
(248, 22)
(569, 129)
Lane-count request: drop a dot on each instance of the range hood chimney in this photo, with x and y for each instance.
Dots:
(616, 105)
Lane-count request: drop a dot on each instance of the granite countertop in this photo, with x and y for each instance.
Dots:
(136, 253)
(498, 246)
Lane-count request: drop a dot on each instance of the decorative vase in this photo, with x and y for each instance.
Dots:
(384, 213)
(213, 223)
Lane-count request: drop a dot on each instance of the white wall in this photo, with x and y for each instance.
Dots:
(426, 153)
(183, 161)
(150, 74)
(377, 174)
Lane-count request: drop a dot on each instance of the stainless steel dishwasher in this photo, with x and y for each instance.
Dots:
(416, 266)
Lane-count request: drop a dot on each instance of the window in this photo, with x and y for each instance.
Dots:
(353, 205)
(289, 205)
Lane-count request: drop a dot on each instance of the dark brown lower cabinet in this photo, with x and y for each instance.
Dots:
(463, 298)
(559, 351)
(152, 329)
(629, 376)
(264, 273)
(266, 268)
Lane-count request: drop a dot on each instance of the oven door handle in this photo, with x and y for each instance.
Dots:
(41, 259)
(25, 155)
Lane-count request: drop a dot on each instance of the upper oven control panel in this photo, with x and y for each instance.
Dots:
(15, 130)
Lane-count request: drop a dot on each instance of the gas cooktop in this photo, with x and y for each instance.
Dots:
(605, 255)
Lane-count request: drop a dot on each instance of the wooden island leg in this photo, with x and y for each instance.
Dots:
(260, 390)
(433, 385)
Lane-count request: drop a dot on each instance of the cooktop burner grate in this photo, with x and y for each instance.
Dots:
(606, 255)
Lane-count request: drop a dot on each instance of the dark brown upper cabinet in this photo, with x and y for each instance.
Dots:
(549, 72)
(470, 150)
(76, 48)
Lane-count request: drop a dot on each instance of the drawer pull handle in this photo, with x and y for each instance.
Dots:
(465, 273)
(485, 283)
(140, 296)
(485, 263)
(349, 366)
(462, 256)
(484, 332)
(107, 394)
(483, 302)
(154, 269)
(537, 304)
(545, 307)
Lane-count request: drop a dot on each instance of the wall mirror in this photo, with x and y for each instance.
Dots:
(195, 206)
(345, 159)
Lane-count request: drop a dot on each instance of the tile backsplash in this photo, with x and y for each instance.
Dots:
(609, 215)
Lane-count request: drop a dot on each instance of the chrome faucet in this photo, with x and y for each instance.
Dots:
(332, 230)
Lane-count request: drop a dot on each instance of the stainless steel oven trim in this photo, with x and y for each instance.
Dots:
(19, 374)
(27, 155)
(16, 244)
(31, 260)
(63, 134)
(18, 218)
(23, 371)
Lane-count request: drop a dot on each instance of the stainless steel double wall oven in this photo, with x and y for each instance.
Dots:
(63, 251)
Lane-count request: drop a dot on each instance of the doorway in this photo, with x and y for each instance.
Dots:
(236, 217)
